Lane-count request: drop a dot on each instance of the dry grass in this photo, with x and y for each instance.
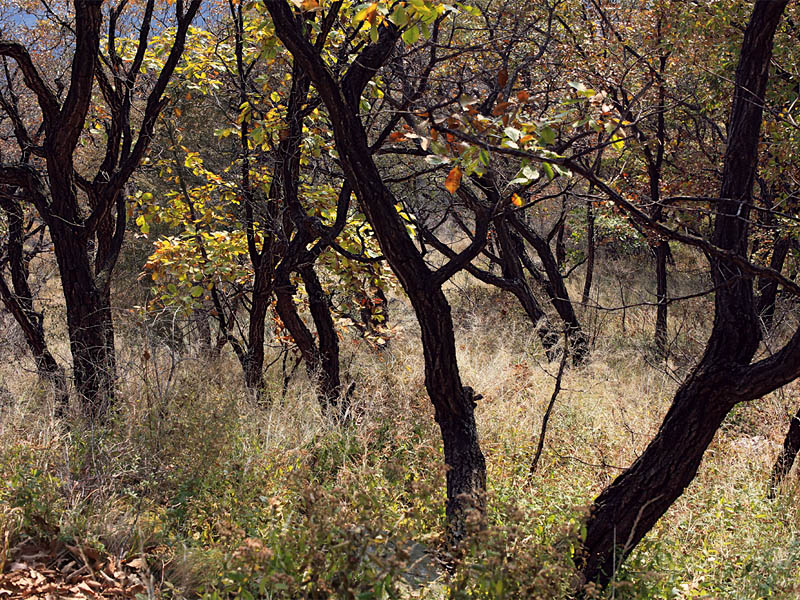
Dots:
(226, 498)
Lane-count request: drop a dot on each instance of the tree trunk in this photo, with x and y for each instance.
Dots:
(661, 251)
(625, 511)
(328, 345)
(19, 302)
(254, 361)
(453, 403)
(557, 290)
(768, 288)
(454, 411)
(561, 248)
(322, 363)
(587, 282)
(30, 321)
(785, 460)
(89, 323)
(511, 250)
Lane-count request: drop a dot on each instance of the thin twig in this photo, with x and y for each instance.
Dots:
(546, 418)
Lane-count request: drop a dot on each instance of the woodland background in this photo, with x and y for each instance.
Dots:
(319, 298)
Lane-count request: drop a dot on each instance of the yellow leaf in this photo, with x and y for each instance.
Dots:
(453, 181)
(370, 14)
(517, 200)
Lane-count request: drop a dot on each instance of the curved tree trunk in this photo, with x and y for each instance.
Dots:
(625, 511)
(454, 410)
(453, 403)
(511, 251)
(30, 321)
(322, 361)
(510, 255)
(19, 302)
(556, 289)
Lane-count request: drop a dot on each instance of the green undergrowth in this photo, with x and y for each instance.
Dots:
(224, 498)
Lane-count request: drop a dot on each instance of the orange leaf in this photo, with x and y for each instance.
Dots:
(517, 200)
(453, 181)
(306, 5)
(371, 13)
(397, 136)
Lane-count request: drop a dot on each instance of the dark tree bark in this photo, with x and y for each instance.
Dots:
(304, 339)
(556, 289)
(278, 258)
(56, 191)
(262, 295)
(625, 511)
(321, 358)
(590, 248)
(328, 349)
(783, 464)
(561, 247)
(454, 404)
(264, 258)
(768, 288)
(511, 258)
(661, 252)
(655, 162)
(18, 299)
(512, 251)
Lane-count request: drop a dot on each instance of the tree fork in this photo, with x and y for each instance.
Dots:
(625, 511)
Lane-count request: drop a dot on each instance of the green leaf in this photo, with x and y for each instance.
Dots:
(547, 135)
(411, 35)
(399, 16)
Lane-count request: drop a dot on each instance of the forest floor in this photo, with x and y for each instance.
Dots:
(194, 490)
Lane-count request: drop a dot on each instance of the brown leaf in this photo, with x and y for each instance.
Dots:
(502, 78)
(83, 586)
